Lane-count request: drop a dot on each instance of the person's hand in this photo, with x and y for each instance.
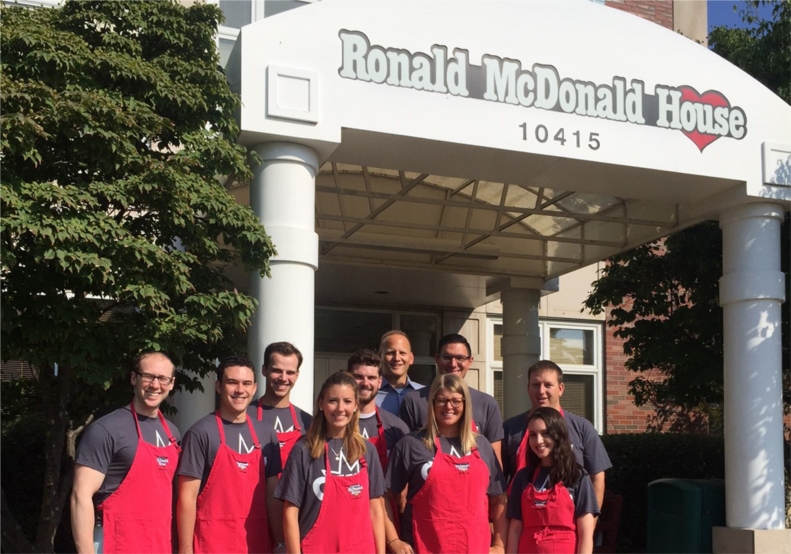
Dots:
(496, 550)
(400, 547)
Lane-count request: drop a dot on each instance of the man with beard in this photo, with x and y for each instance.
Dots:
(396, 351)
(380, 427)
(228, 473)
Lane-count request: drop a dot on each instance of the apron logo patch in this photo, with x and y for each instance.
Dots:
(162, 461)
(243, 465)
(540, 503)
(355, 490)
(282, 444)
(462, 467)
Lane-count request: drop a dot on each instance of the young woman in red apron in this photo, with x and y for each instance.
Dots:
(551, 519)
(451, 511)
(349, 520)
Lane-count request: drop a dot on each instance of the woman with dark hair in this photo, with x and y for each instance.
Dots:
(332, 482)
(552, 506)
(455, 484)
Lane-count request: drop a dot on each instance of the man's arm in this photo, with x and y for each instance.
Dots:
(86, 482)
(274, 510)
(498, 452)
(186, 511)
(597, 479)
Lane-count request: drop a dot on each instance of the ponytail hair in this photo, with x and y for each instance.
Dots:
(565, 468)
(353, 441)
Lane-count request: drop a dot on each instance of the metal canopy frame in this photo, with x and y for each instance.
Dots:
(405, 219)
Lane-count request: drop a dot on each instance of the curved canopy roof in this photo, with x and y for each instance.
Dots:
(508, 139)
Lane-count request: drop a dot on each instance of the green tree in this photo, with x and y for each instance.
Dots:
(664, 295)
(117, 121)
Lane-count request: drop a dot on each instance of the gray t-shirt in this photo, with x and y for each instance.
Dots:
(585, 443)
(279, 419)
(202, 441)
(581, 492)
(109, 446)
(394, 428)
(302, 482)
(485, 412)
(410, 464)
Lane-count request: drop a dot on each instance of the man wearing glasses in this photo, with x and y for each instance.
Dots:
(454, 355)
(123, 496)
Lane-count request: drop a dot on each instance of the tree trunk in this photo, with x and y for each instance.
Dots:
(57, 482)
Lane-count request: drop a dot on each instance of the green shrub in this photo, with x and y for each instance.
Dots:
(640, 458)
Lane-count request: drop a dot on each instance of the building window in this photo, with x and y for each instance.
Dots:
(577, 349)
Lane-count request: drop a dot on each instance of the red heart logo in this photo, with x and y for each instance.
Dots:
(711, 97)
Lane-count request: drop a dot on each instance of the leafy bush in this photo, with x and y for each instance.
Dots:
(640, 458)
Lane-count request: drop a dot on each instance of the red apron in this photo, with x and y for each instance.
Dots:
(231, 515)
(548, 524)
(288, 439)
(380, 443)
(450, 513)
(137, 516)
(346, 499)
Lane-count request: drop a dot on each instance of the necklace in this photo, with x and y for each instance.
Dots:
(337, 454)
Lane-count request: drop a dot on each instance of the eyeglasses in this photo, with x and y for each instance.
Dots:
(459, 359)
(147, 378)
(454, 402)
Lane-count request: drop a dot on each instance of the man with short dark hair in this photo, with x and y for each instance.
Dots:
(228, 473)
(136, 447)
(545, 387)
(454, 355)
(282, 361)
(396, 353)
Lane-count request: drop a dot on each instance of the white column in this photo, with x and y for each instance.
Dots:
(751, 291)
(521, 345)
(283, 195)
(194, 405)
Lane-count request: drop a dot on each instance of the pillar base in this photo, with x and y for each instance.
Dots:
(730, 540)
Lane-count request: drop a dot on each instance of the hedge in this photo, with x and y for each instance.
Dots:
(640, 458)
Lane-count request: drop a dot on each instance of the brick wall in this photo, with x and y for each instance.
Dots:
(658, 11)
(621, 415)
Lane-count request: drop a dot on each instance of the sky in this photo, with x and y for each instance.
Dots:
(721, 13)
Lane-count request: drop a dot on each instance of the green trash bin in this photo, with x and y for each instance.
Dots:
(681, 513)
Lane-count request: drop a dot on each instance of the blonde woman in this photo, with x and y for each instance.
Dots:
(455, 484)
(332, 483)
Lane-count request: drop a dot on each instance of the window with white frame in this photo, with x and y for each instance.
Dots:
(576, 348)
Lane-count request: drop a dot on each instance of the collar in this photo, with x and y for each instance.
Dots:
(410, 384)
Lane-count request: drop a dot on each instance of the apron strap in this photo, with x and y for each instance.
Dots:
(256, 444)
(294, 417)
(137, 423)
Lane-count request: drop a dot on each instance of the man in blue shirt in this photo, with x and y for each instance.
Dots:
(396, 352)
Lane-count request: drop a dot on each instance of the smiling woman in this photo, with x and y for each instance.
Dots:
(445, 460)
(328, 474)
